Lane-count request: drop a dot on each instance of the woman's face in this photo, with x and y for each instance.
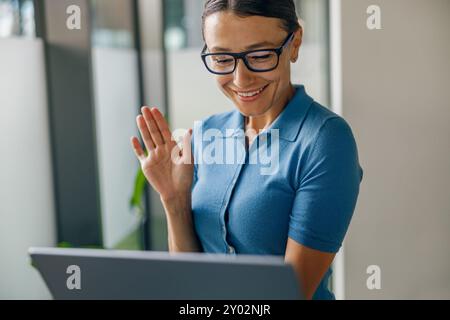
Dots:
(226, 32)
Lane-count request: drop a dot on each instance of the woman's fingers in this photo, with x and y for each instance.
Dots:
(162, 125)
(187, 152)
(145, 133)
(152, 127)
(154, 131)
(137, 148)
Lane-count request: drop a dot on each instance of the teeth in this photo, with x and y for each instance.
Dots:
(250, 94)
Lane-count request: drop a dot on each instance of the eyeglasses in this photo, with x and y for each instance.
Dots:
(261, 60)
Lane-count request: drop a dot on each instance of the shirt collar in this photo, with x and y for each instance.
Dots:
(288, 122)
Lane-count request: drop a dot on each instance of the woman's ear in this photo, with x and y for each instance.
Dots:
(297, 43)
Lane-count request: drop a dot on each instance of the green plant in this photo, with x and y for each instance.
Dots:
(137, 203)
(65, 244)
(136, 200)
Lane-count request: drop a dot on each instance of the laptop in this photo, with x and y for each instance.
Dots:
(149, 275)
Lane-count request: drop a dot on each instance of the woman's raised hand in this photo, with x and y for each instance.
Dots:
(168, 169)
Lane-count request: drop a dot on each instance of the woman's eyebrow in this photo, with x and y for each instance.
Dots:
(250, 47)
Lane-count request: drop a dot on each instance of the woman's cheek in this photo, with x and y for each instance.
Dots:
(222, 82)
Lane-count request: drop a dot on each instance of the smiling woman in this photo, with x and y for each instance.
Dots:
(302, 209)
(259, 31)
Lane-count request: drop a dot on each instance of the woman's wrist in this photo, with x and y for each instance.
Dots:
(179, 213)
(180, 225)
(177, 202)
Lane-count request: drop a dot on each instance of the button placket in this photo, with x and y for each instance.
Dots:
(237, 173)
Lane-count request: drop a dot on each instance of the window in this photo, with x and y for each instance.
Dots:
(17, 18)
(112, 24)
(182, 24)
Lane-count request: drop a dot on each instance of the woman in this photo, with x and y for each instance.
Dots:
(302, 209)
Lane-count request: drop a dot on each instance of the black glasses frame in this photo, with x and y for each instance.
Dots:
(243, 57)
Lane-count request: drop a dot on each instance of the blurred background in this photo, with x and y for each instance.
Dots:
(68, 101)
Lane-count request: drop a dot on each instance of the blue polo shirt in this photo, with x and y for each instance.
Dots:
(299, 179)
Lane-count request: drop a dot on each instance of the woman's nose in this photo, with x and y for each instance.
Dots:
(242, 75)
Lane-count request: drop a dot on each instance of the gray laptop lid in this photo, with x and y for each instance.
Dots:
(109, 274)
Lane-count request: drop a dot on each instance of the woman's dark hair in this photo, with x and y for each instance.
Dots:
(281, 9)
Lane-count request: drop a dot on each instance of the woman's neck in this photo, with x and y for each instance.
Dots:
(256, 124)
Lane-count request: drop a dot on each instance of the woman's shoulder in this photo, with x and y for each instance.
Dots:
(330, 139)
(322, 121)
(318, 115)
(220, 121)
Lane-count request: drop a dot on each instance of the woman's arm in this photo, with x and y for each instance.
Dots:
(324, 203)
(169, 170)
(309, 265)
(181, 235)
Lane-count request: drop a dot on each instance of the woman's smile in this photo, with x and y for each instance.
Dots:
(250, 95)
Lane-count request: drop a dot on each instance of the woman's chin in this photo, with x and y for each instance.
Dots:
(251, 111)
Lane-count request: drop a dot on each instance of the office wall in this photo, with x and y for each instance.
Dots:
(151, 24)
(193, 94)
(396, 97)
(116, 105)
(27, 216)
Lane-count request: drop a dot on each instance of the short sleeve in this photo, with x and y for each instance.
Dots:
(329, 181)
